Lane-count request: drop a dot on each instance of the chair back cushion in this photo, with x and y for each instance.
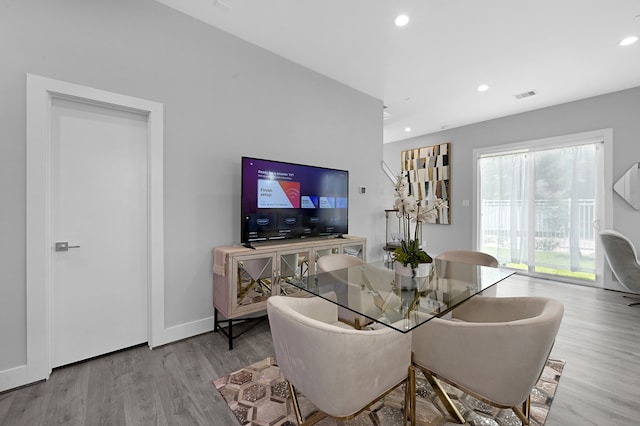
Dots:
(494, 347)
(333, 262)
(339, 370)
(461, 264)
(469, 256)
(349, 293)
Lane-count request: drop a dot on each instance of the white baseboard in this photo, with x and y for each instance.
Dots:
(20, 376)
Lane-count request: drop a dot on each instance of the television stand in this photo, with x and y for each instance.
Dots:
(225, 326)
(244, 278)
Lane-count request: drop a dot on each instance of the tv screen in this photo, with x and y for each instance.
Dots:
(285, 201)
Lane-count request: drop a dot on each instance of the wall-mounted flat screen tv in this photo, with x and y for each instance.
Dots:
(286, 201)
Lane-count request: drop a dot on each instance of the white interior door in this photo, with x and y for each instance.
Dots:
(99, 290)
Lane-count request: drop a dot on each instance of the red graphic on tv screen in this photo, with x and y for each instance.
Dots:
(292, 189)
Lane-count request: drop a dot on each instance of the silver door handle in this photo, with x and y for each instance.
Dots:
(64, 246)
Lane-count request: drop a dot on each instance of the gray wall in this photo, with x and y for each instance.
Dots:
(618, 111)
(223, 98)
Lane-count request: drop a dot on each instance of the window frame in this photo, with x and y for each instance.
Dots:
(604, 210)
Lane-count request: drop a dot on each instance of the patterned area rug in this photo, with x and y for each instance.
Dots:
(259, 396)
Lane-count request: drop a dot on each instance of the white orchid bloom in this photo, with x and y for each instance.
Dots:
(412, 212)
(414, 209)
(428, 216)
(402, 186)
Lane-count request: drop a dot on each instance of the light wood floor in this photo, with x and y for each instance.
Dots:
(599, 339)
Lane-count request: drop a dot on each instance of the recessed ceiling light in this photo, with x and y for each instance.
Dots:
(407, 129)
(401, 20)
(483, 88)
(629, 40)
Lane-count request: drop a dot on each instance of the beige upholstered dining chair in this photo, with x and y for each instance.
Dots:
(469, 256)
(493, 348)
(335, 265)
(332, 262)
(446, 270)
(340, 371)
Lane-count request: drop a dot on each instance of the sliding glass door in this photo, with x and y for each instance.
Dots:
(537, 206)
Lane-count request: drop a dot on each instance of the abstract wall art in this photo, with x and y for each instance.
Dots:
(428, 171)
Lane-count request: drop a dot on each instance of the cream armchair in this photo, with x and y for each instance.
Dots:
(469, 256)
(446, 270)
(493, 348)
(340, 371)
(374, 302)
(332, 262)
(335, 265)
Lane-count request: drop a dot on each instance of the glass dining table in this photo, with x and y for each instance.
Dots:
(372, 294)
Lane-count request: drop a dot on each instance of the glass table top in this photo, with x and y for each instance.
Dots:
(376, 294)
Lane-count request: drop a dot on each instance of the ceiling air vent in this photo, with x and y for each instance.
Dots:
(525, 94)
(385, 114)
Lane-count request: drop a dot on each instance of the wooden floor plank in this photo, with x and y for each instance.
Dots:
(105, 399)
(142, 404)
(599, 340)
(6, 399)
(68, 395)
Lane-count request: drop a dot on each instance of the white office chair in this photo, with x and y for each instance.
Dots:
(623, 261)
(340, 371)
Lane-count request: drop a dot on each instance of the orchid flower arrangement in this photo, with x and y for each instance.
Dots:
(413, 212)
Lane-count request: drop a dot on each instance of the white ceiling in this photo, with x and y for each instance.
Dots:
(427, 72)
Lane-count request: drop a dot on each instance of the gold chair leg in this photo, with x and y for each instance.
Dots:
(314, 418)
(446, 401)
(524, 414)
(356, 324)
(294, 402)
(526, 408)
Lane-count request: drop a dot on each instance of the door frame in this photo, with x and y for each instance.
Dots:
(40, 93)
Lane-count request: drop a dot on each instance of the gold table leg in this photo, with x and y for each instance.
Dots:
(410, 395)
